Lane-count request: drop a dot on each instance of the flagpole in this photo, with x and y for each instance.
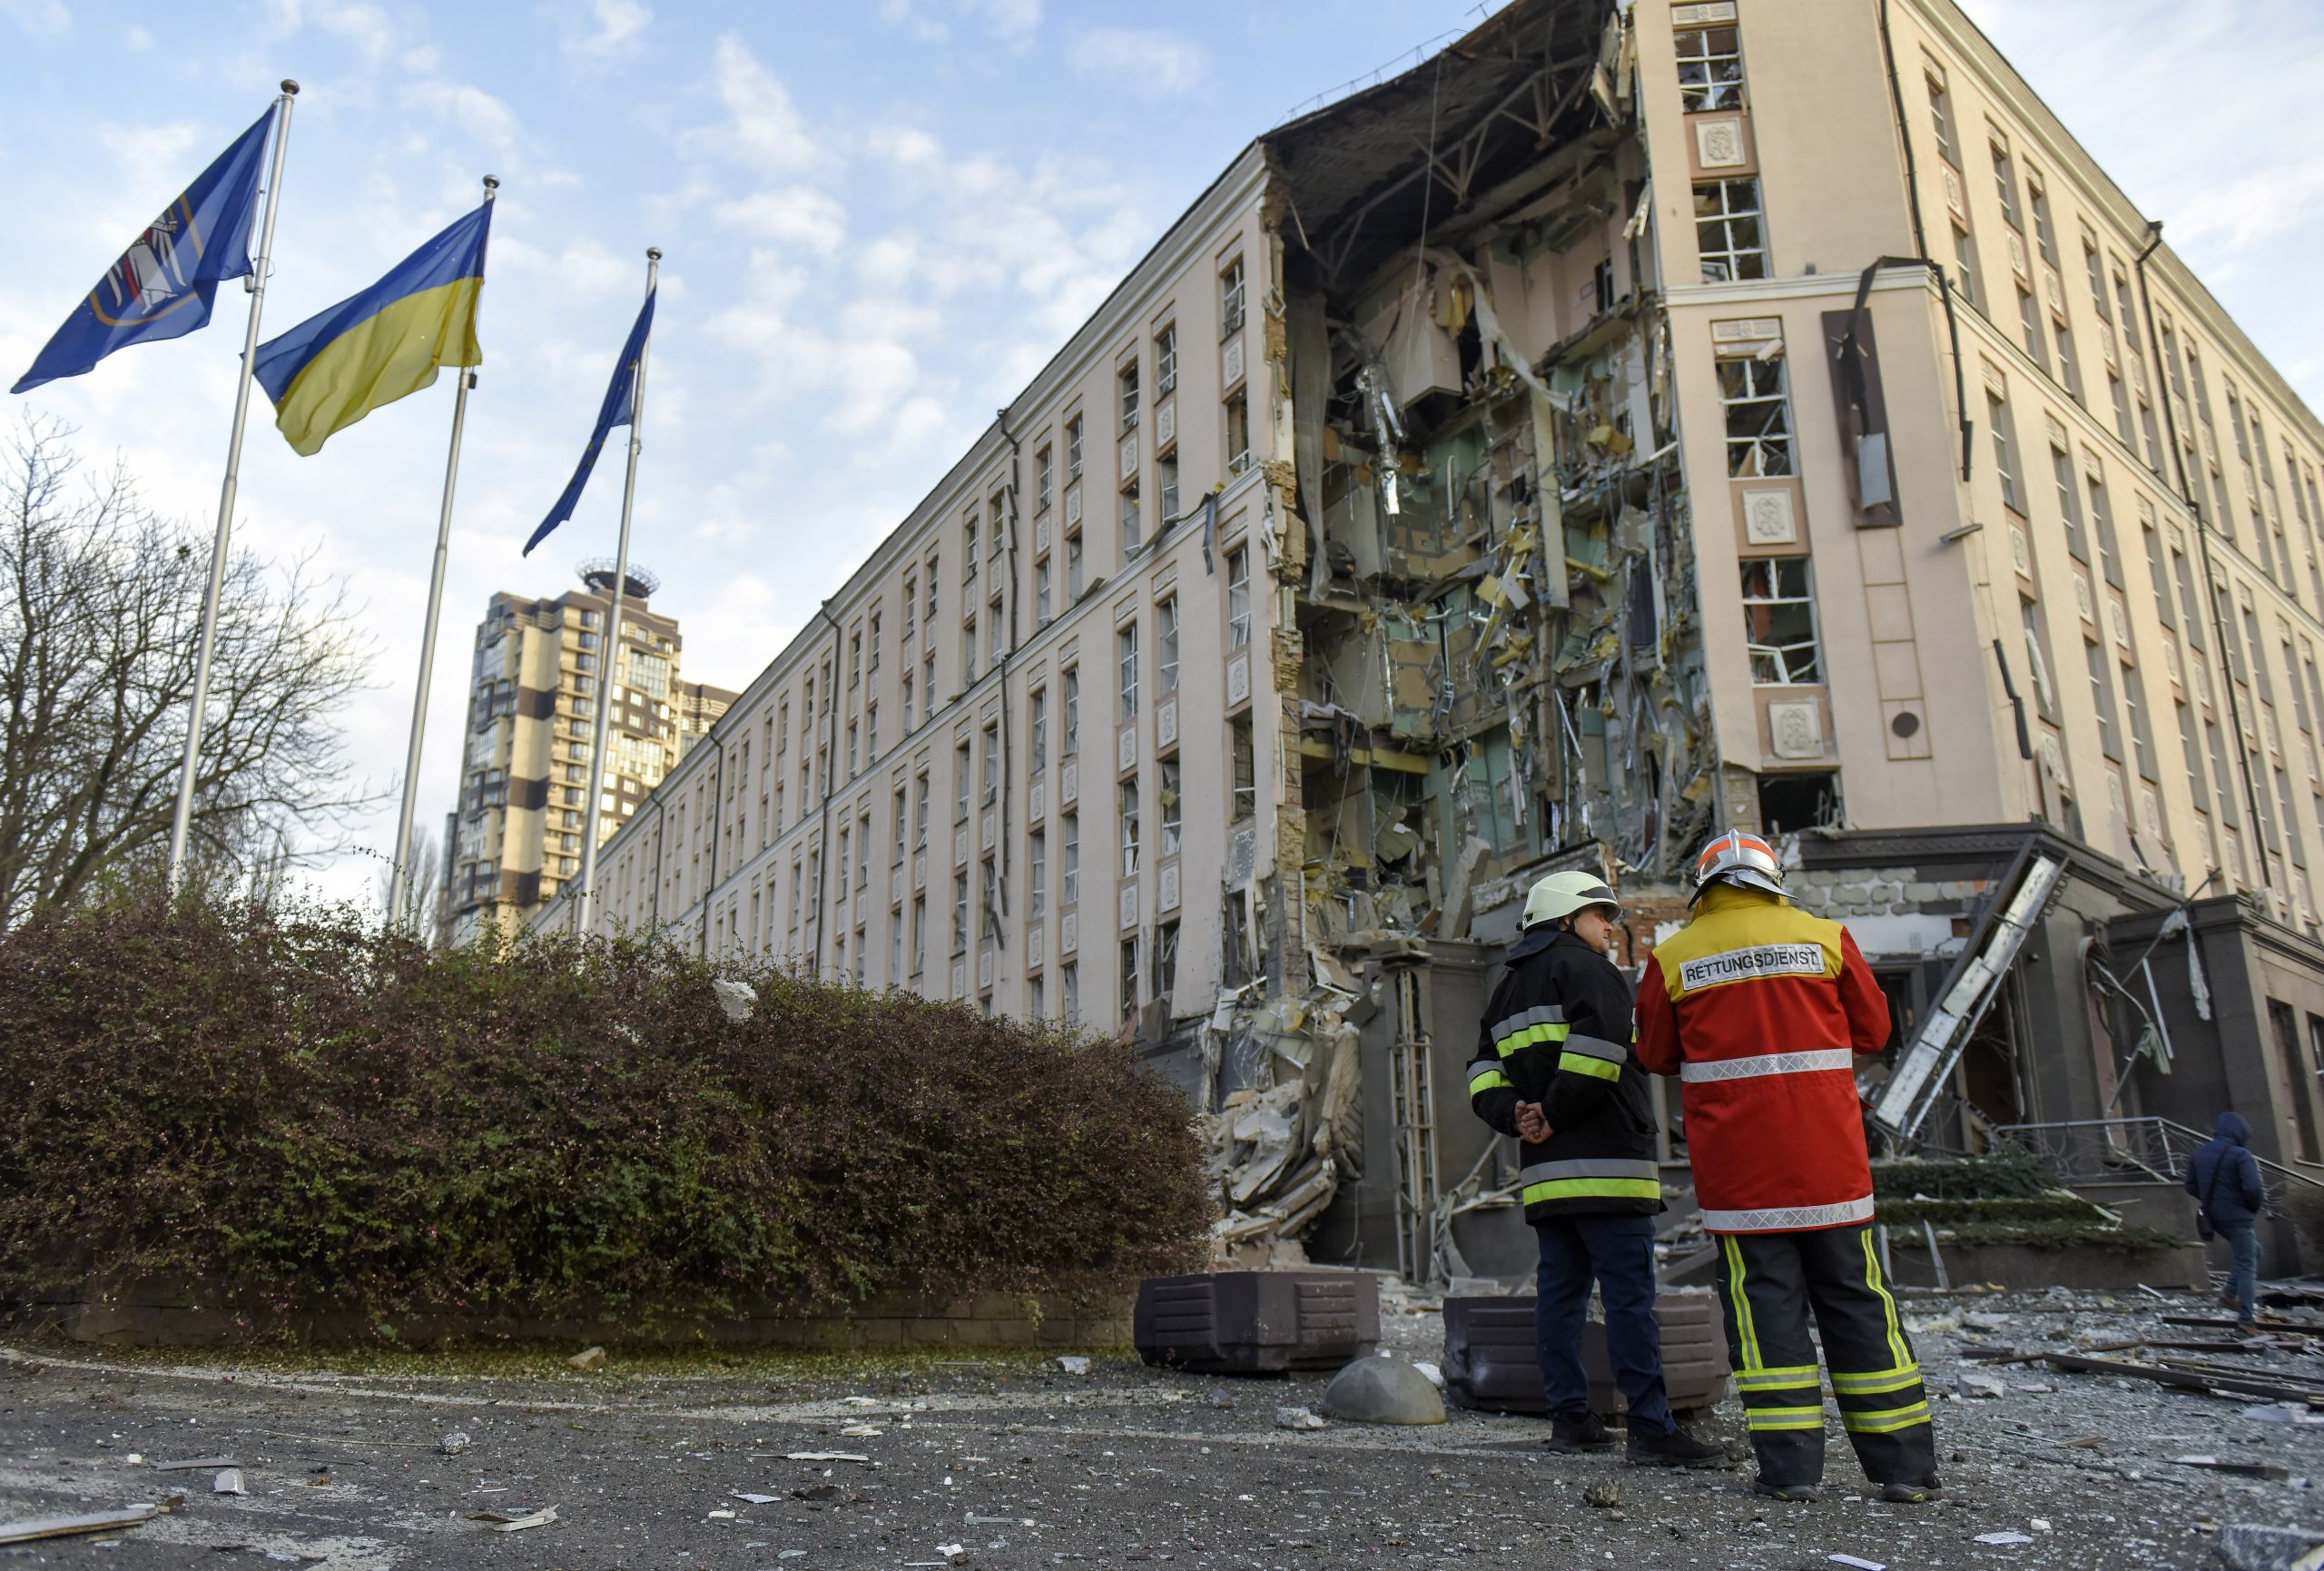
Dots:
(401, 871)
(612, 664)
(219, 545)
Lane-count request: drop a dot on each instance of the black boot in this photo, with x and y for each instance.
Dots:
(1674, 1448)
(1580, 1431)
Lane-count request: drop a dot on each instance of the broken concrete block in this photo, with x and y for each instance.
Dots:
(1382, 1392)
(1296, 1418)
(587, 1360)
(2243, 1547)
(1974, 1383)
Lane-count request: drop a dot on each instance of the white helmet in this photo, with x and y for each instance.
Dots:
(1564, 893)
(1736, 857)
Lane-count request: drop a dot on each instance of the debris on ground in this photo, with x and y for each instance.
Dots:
(1604, 1497)
(1382, 1392)
(589, 1358)
(1296, 1418)
(505, 1522)
(229, 1481)
(1074, 1364)
(453, 1444)
(195, 1465)
(2246, 1547)
(26, 1530)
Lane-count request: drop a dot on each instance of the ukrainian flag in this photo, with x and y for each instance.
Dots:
(376, 347)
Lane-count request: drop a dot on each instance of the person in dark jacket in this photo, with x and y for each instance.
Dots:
(1554, 1069)
(2224, 1178)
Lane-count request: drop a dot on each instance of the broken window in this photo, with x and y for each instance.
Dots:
(1131, 524)
(1166, 481)
(1238, 598)
(902, 817)
(1129, 976)
(960, 771)
(931, 593)
(907, 699)
(2141, 739)
(1230, 299)
(1037, 874)
(1126, 658)
(2069, 503)
(1072, 710)
(1238, 432)
(996, 630)
(991, 765)
(1035, 998)
(989, 898)
(1965, 269)
(2070, 374)
(870, 731)
(1711, 68)
(1069, 982)
(969, 549)
(1780, 621)
(1072, 568)
(1165, 961)
(2101, 513)
(850, 749)
(2101, 699)
(1038, 742)
(1165, 360)
(1166, 647)
(1068, 889)
(2121, 400)
(1170, 819)
(960, 911)
(967, 654)
(2005, 183)
(1728, 232)
(2046, 238)
(2193, 753)
(1042, 593)
(1759, 417)
(1244, 777)
(1126, 380)
(1127, 799)
(1044, 480)
(928, 687)
(1073, 449)
(2029, 320)
(1940, 109)
(2005, 453)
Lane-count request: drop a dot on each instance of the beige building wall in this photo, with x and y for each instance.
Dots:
(1911, 709)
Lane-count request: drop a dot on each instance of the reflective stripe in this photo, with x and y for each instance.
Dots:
(1897, 1342)
(1590, 1167)
(1791, 1218)
(1546, 1031)
(1784, 1417)
(1574, 1062)
(1545, 1014)
(1875, 1382)
(1607, 1189)
(1598, 1047)
(1883, 1420)
(1744, 1328)
(1486, 1077)
(1822, 1058)
(1783, 1380)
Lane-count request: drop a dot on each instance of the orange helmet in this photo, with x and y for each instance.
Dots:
(1736, 857)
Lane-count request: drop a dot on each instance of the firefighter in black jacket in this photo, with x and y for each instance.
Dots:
(1554, 1069)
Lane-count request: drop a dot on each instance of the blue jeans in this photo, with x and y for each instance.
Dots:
(1618, 1252)
(2245, 1238)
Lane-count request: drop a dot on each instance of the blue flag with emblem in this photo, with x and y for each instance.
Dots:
(161, 286)
(616, 410)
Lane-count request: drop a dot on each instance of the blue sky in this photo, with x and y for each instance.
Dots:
(879, 219)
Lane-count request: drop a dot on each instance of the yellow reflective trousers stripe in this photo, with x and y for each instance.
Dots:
(1881, 1420)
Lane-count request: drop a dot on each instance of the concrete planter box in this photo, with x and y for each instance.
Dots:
(161, 1312)
(2084, 1267)
(1491, 1364)
(1258, 1322)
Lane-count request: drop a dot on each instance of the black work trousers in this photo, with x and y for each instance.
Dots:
(1768, 1284)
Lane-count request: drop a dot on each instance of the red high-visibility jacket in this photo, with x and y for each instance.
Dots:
(1760, 1009)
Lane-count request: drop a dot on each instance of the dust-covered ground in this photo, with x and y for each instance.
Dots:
(999, 1460)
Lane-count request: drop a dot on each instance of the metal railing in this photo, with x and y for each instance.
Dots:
(2113, 1150)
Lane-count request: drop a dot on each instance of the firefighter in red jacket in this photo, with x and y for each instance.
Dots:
(1760, 1009)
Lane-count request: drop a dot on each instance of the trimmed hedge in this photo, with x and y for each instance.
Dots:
(300, 1108)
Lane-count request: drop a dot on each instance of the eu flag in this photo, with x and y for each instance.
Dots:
(161, 286)
(619, 405)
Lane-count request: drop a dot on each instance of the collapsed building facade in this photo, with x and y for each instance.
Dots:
(1606, 431)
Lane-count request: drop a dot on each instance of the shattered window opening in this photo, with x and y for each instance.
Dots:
(1711, 68)
(2101, 699)
(1127, 379)
(2005, 183)
(1038, 742)
(1940, 108)
(1238, 432)
(1129, 805)
(1073, 567)
(1073, 449)
(1041, 577)
(1072, 711)
(1759, 417)
(2046, 238)
(1166, 647)
(1037, 874)
(1727, 231)
(1129, 976)
(1779, 622)
(2030, 320)
(2141, 739)
(960, 911)
(920, 813)
(1044, 480)
(960, 777)
(1126, 656)
(1165, 481)
(1238, 598)
(2069, 503)
(2097, 278)
(1166, 960)
(1244, 782)
(2004, 454)
(1131, 531)
(1166, 360)
(967, 550)
(1068, 980)
(1170, 807)
(1965, 269)
(1230, 299)
(991, 765)
(1068, 889)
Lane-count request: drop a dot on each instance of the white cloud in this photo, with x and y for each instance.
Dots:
(794, 214)
(363, 24)
(1009, 22)
(1151, 62)
(38, 18)
(153, 151)
(138, 38)
(474, 112)
(762, 125)
(620, 25)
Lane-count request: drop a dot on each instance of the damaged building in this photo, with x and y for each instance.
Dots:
(1634, 420)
